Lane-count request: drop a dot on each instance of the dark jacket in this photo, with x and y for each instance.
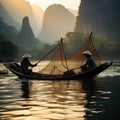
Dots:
(25, 63)
(90, 62)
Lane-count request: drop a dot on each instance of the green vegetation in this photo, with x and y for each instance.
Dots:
(13, 44)
(6, 29)
(106, 48)
(8, 51)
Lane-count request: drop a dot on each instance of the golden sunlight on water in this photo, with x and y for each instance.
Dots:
(56, 100)
(53, 100)
(39, 100)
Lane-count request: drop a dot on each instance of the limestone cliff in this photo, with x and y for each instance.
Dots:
(56, 22)
(99, 16)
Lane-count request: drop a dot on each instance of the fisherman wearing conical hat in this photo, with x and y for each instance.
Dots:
(90, 63)
(25, 64)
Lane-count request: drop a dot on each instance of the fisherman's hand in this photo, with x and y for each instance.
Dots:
(82, 66)
(36, 64)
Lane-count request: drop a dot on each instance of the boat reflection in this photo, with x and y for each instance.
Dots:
(73, 99)
(26, 87)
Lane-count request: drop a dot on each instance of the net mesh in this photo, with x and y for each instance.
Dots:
(78, 59)
(59, 64)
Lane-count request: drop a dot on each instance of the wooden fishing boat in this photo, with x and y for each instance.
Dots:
(62, 68)
(16, 69)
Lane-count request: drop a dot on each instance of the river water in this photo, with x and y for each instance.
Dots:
(97, 99)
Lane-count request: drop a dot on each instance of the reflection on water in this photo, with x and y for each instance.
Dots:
(25, 88)
(96, 99)
(51, 100)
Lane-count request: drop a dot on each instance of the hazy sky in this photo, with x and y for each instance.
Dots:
(73, 4)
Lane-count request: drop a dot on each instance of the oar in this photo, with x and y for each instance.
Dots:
(76, 68)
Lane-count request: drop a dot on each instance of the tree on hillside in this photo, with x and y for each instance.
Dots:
(8, 51)
(6, 29)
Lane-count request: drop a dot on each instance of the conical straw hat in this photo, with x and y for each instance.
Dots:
(87, 52)
(26, 55)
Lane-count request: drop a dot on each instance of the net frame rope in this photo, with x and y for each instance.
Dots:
(59, 64)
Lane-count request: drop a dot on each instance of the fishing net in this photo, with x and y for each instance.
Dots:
(59, 64)
(78, 59)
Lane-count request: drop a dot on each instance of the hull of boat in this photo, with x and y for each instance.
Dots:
(15, 69)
